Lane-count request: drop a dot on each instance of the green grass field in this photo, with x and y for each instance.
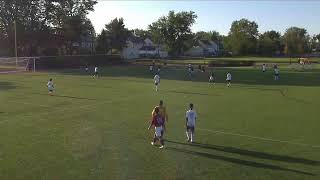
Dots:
(97, 128)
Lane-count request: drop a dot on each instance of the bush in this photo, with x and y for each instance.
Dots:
(56, 62)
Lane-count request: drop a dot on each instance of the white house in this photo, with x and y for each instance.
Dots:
(138, 47)
(203, 48)
(131, 51)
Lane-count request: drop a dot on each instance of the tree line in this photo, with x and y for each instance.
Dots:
(51, 27)
(174, 31)
(44, 23)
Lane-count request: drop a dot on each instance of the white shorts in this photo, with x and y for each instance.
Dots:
(50, 88)
(158, 131)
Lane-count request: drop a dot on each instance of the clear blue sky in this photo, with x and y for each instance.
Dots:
(213, 15)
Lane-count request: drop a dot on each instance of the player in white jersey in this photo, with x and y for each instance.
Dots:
(263, 67)
(156, 81)
(86, 68)
(211, 78)
(229, 78)
(96, 72)
(50, 86)
(191, 117)
(276, 73)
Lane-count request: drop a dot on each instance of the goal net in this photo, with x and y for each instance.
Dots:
(19, 64)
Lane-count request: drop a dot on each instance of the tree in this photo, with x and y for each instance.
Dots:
(37, 19)
(202, 35)
(70, 8)
(142, 33)
(75, 29)
(243, 37)
(174, 29)
(316, 42)
(208, 36)
(269, 43)
(117, 33)
(296, 41)
(103, 42)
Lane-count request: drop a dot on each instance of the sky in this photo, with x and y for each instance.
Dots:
(213, 15)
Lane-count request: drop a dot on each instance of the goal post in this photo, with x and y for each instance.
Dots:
(19, 64)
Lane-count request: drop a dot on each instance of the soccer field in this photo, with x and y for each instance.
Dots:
(97, 128)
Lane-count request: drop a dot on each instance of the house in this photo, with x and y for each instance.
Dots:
(131, 51)
(154, 51)
(138, 47)
(203, 48)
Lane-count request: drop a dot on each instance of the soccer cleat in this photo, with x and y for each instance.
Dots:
(152, 143)
(161, 147)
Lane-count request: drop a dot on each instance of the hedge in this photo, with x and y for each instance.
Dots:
(56, 62)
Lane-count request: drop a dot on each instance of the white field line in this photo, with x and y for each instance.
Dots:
(260, 138)
(64, 110)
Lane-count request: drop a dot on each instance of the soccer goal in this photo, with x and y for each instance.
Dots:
(19, 64)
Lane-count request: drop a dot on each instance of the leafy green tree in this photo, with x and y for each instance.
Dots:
(174, 29)
(37, 20)
(103, 42)
(243, 37)
(74, 29)
(296, 41)
(118, 33)
(269, 43)
(316, 42)
(142, 33)
(202, 35)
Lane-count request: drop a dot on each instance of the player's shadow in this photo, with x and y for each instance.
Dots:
(6, 86)
(65, 96)
(238, 161)
(255, 154)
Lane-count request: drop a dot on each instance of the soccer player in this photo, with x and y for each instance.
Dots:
(151, 68)
(162, 111)
(203, 69)
(96, 72)
(263, 67)
(50, 86)
(190, 70)
(191, 117)
(158, 123)
(86, 68)
(156, 81)
(276, 73)
(229, 78)
(211, 78)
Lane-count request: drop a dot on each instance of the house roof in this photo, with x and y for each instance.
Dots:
(206, 42)
(136, 39)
